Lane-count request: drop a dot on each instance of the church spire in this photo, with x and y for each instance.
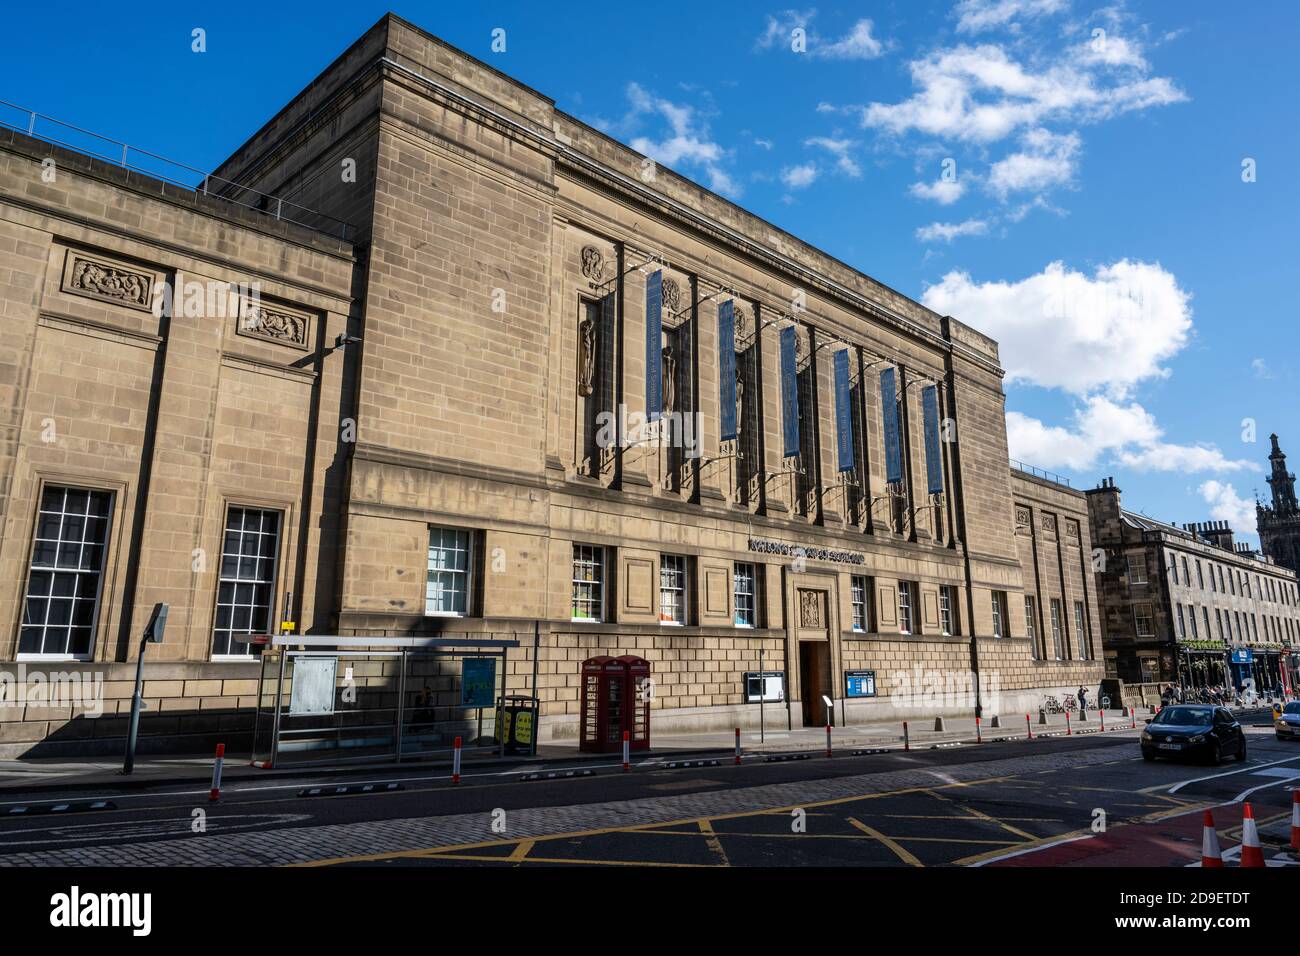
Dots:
(1282, 482)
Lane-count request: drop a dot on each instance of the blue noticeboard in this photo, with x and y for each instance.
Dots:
(889, 409)
(843, 412)
(1243, 655)
(789, 394)
(654, 304)
(478, 682)
(727, 371)
(860, 683)
(933, 459)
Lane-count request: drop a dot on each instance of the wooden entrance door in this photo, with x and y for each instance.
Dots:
(813, 631)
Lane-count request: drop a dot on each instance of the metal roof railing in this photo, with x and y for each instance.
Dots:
(134, 159)
(1040, 473)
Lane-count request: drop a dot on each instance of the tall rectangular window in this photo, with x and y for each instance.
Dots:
(1191, 616)
(1137, 568)
(1200, 576)
(858, 596)
(1031, 625)
(1187, 578)
(1173, 569)
(63, 580)
(446, 591)
(1142, 622)
(1182, 627)
(588, 583)
(744, 595)
(1081, 632)
(246, 584)
(905, 607)
(947, 611)
(1058, 638)
(672, 589)
(999, 613)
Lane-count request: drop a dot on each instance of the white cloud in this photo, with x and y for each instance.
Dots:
(1105, 430)
(948, 231)
(799, 177)
(1046, 159)
(1063, 329)
(943, 191)
(980, 94)
(687, 142)
(1110, 51)
(977, 15)
(1260, 368)
(1226, 505)
(839, 148)
(858, 44)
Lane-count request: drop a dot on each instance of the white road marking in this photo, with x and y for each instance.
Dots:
(1249, 768)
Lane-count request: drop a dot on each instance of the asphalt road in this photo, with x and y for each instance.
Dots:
(1014, 803)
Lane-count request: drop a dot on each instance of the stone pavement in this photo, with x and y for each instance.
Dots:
(58, 775)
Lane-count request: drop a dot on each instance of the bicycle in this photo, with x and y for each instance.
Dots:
(1052, 706)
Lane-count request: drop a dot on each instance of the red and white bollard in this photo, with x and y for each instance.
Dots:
(979, 738)
(627, 752)
(907, 743)
(737, 746)
(1295, 820)
(1134, 714)
(828, 740)
(215, 795)
(1028, 728)
(1103, 720)
(455, 761)
(1068, 731)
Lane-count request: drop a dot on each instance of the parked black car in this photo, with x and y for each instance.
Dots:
(1194, 730)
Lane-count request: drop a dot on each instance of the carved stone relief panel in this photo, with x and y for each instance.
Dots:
(105, 279)
(273, 323)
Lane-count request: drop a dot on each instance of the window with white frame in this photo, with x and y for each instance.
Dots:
(446, 590)
(246, 580)
(1031, 625)
(1137, 568)
(947, 610)
(672, 589)
(63, 579)
(588, 583)
(905, 607)
(999, 613)
(1058, 638)
(859, 594)
(744, 595)
(1081, 632)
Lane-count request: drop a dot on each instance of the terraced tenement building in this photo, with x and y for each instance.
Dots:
(573, 388)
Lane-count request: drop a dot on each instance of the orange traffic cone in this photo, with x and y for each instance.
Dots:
(1295, 820)
(1211, 855)
(1252, 854)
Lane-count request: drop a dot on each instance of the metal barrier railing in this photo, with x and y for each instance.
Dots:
(134, 159)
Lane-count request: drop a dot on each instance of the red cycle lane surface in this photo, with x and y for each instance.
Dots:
(1172, 841)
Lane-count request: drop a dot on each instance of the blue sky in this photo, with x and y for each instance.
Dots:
(1077, 194)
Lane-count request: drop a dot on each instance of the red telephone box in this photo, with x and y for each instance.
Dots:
(615, 698)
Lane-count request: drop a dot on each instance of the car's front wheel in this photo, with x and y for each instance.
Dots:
(1148, 755)
(1241, 750)
(1216, 754)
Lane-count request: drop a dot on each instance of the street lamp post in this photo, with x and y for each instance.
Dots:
(153, 634)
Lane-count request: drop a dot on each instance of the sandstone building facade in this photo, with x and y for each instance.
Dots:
(542, 382)
(1190, 604)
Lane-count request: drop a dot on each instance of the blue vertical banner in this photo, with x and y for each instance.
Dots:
(933, 457)
(654, 335)
(789, 393)
(889, 409)
(727, 371)
(843, 411)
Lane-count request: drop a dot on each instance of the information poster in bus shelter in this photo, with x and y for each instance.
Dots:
(478, 682)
